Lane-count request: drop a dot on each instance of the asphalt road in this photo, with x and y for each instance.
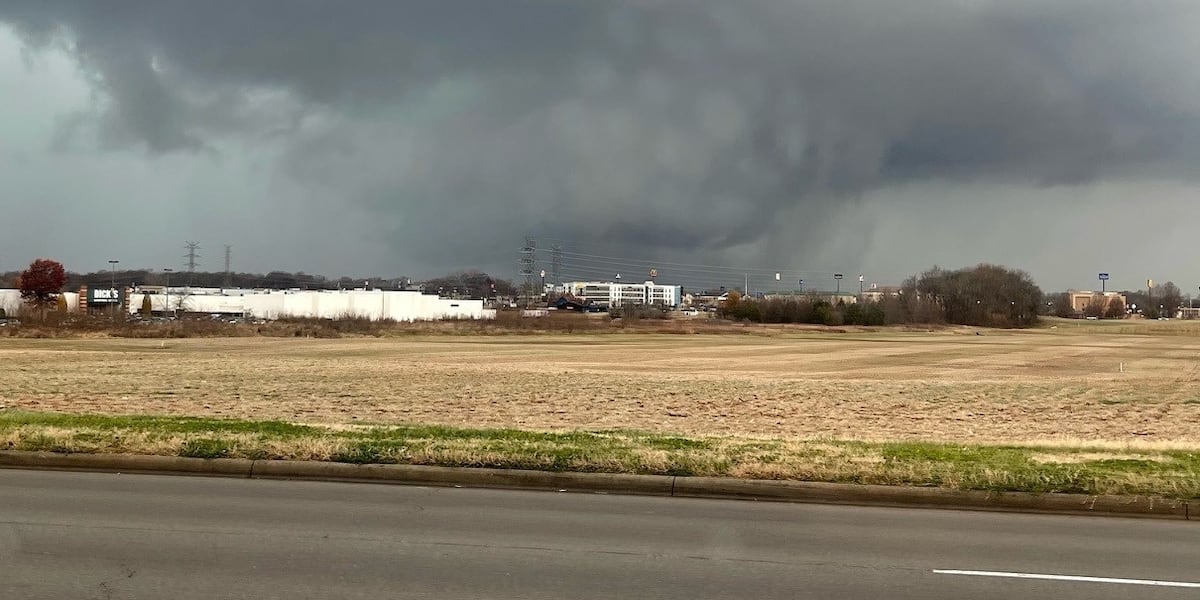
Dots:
(108, 536)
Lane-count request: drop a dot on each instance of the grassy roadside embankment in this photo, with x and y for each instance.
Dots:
(1086, 470)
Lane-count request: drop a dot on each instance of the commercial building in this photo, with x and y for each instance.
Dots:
(1081, 300)
(99, 299)
(11, 302)
(615, 294)
(815, 296)
(877, 293)
(405, 305)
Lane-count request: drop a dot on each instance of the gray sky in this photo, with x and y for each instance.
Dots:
(418, 137)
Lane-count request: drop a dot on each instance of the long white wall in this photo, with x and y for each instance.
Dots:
(10, 301)
(370, 304)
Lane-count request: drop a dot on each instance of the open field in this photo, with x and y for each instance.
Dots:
(1062, 387)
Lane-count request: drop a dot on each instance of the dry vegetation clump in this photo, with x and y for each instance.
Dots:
(507, 322)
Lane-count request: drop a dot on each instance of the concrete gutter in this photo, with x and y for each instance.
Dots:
(656, 485)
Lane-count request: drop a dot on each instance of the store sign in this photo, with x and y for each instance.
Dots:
(104, 296)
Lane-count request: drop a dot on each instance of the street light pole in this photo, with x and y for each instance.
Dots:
(167, 291)
(112, 280)
(838, 278)
(1150, 295)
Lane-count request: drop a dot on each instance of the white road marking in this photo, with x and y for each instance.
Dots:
(1180, 584)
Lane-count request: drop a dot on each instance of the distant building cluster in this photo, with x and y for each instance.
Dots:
(615, 294)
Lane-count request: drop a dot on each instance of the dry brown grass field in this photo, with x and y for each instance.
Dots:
(1050, 386)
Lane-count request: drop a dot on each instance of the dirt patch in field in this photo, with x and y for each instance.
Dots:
(1000, 387)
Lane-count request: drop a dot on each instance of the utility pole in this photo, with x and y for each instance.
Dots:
(228, 261)
(112, 281)
(1150, 296)
(167, 291)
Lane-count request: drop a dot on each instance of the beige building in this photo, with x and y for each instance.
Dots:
(878, 293)
(1081, 300)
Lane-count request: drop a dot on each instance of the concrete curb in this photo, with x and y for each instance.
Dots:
(127, 463)
(901, 496)
(656, 485)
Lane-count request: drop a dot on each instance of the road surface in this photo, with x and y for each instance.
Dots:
(110, 536)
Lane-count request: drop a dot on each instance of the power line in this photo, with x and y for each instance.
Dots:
(675, 269)
(556, 264)
(583, 266)
(707, 267)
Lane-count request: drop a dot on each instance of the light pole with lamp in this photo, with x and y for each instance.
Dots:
(1150, 295)
(112, 280)
(167, 292)
(838, 278)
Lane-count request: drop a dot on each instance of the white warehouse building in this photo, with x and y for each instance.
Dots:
(12, 304)
(616, 294)
(10, 301)
(322, 304)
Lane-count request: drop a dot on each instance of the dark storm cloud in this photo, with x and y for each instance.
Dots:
(690, 125)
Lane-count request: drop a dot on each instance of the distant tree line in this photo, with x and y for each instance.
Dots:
(984, 295)
(1168, 296)
(473, 284)
(470, 284)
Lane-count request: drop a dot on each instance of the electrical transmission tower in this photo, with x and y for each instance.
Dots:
(228, 261)
(556, 265)
(528, 262)
(191, 257)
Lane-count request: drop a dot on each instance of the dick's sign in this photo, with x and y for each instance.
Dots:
(104, 296)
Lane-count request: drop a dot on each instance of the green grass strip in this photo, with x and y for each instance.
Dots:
(1167, 473)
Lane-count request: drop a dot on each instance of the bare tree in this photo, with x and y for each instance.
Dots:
(1060, 305)
(1115, 308)
(1170, 298)
(1096, 306)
